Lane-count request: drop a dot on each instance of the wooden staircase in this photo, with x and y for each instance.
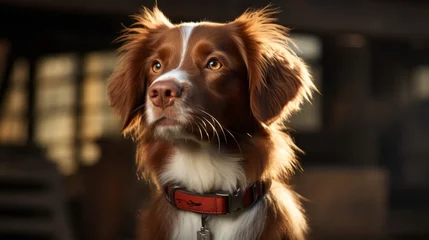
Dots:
(32, 203)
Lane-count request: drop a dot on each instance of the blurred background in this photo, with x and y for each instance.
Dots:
(67, 173)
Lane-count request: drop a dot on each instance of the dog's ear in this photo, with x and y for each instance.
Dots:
(126, 88)
(279, 80)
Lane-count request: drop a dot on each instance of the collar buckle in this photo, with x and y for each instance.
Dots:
(235, 200)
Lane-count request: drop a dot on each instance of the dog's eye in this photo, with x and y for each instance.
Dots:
(156, 66)
(214, 64)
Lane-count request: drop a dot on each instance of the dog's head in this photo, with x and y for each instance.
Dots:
(188, 80)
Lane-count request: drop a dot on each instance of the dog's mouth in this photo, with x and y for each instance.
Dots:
(175, 130)
(167, 127)
(166, 121)
(189, 128)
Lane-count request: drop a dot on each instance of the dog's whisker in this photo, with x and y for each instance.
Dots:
(233, 137)
(205, 130)
(192, 126)
(207, 133)
(205, 127)
(193, 122)
(216, 133)
(214, 129)
(201, 133)
(218, 123)
(223, 132)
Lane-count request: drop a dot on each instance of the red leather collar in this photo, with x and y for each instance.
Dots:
(214, 203)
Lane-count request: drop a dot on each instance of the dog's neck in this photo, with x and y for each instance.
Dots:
(203, 169)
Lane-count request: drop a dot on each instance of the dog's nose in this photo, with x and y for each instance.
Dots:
(163, 93)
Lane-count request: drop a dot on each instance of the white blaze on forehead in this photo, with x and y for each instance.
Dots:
(186, 31)
(177, 74)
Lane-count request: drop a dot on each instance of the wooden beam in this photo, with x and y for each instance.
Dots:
(31, 97)
(402, 19)
(5, 82)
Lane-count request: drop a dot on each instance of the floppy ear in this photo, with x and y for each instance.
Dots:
(278, 79)
(126, 88)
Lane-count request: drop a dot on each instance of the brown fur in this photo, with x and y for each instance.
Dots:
(264, 83)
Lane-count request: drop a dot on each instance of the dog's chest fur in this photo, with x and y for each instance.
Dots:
(206, 170)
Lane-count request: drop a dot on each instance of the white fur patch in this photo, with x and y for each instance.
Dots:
(186, 30)
(168, 132)
(175, 74)
(246, 225)
(204, 170)
(150, 116)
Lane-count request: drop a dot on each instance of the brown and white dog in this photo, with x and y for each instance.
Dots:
(206, 103)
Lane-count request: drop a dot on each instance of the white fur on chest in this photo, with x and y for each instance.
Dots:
(203, 171)
(244, 225)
